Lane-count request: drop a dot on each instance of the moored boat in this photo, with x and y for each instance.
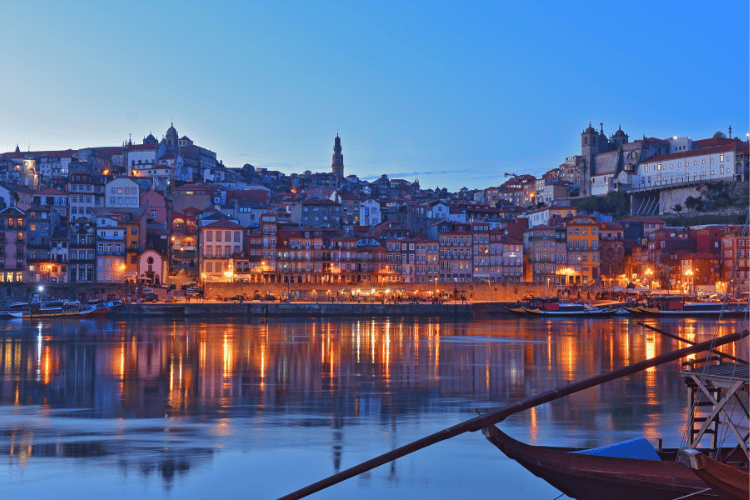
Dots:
(678, 306)
(730, 482)
(55, 312)
(592, 477)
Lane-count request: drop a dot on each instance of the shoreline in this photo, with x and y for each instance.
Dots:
(310, 309)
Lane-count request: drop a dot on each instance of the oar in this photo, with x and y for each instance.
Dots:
(690, 342)
(495, 416)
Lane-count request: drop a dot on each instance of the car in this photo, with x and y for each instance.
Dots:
(269, 297)
(236, 298)
(192, 291)
(150, 297)
(148, 290)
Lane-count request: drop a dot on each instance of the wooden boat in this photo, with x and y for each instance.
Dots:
(552, 307)
(678, 306)
(101, 308)
(593, 477)
(729, 482)
(679, 479)
(571, 310)
(55, 312)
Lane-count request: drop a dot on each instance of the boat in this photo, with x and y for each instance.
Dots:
(592, 476)
(730, 482)
(678, 306)
(101, 308)
(55, 312)
(552, 307)
(572, 310)
(639, 478)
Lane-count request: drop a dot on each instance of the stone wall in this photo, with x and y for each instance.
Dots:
(24, 292)
(474, 292)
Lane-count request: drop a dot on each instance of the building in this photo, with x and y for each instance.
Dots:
(583, 250)
(369, 212)
(543, 216)
(85, 194)
(111, 248)
(82, 251)
(317, 212)
(603, 160)
(612, 252)
(735, 259)
(218, 242)
(122, 192)
(456, 260)
(42, 222)
(13, 234)
(725, 162)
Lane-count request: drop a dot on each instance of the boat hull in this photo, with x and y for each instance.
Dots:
(572, 314)
(590, 477)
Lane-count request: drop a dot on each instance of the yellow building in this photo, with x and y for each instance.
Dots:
(583, 250)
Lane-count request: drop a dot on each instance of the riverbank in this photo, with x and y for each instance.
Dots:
(344, 309)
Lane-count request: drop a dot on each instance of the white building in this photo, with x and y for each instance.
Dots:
(140, 156)
(111, 249)
(121, 192)
(438, 210)
(369, 212)
(718, 163)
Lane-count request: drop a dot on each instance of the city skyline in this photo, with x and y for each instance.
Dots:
(452, 97)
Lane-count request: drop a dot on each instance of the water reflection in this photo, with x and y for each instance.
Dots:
(164, 396)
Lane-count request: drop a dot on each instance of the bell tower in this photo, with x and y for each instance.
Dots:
(337, 164)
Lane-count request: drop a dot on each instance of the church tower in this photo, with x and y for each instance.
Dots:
(171, 141)
(589, 150)
(337, 165)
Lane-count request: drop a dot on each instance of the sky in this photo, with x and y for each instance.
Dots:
(454, 94)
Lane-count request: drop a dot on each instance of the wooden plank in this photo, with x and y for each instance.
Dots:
(498, 415)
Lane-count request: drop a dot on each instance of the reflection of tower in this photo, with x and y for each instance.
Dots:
(337, 165)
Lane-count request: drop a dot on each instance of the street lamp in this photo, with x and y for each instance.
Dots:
(648, 273)
(41, 293)
(688, 278)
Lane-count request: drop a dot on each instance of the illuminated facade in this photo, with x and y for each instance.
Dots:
(218, 242)
(13, 237)
(583, 250)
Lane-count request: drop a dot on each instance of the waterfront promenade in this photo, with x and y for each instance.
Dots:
(208, 308)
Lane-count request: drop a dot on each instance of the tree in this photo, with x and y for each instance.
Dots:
(677, 208)
(693, 203)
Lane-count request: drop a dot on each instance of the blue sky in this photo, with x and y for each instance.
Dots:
(452, 94)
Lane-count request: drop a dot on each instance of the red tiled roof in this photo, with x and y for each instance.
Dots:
(714, 141)
(143, 147)
(223, 224)
(734, 146)
(52, 191)
(22, 154)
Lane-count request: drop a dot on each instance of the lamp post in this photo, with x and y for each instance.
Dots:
(41, 294)
(689, 279)
(648, 273)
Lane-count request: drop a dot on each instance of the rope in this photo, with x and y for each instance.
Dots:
(693, 494)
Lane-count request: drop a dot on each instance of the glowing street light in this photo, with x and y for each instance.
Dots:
(648, 273)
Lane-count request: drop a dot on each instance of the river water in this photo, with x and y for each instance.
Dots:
(235, 408)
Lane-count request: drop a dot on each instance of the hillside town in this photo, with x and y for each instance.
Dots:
(169, 211)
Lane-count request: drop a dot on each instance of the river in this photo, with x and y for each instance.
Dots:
(256, 408)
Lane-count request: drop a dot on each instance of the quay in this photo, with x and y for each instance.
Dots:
(310, 309)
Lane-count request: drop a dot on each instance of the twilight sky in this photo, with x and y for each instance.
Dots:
(454, 94)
